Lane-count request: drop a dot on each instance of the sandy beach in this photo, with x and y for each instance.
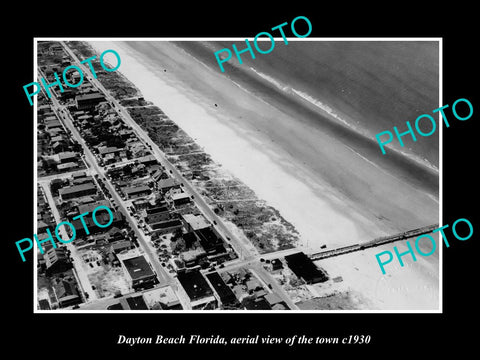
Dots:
(293, 168)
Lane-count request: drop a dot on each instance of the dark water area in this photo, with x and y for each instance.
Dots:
(373, 86)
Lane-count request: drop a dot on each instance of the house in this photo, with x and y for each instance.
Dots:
(67, 166)
(140, 273)
(92, 206)
(79, 174)
(156, 175)
(166, 184)
(66, 292)
(148, 160)
(75, 191)
(66, 157)
(137, 191)
(52, 123)
(88, 101)
(41, 226)
(59, 146)
(178, 198)
(111, 150)
(115, 234)
(157, 214)
(44, 304)
(56, 184)
(140, 204)
(197, 290)
(56, 260)
(103, 217)
(119, 246)
(164, 227)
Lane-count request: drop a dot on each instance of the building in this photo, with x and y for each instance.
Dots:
(140, 273)
(67, 166)
(273, 299)
(75, 191)
(56, 260)
(146, 160)
(210, 241)
(103, 217)
(67, 157)
(256, 304)
(163, 298)
(192, 257)
(137, 191)
(112, 150)
(136, 303)
(66, 293)
(79, 175)
(157, 214)
(166, 184)
(197, 290)
(43, 304)
(92, 206)
(305, 269)
(276, 265)
(119, 246)
(178, 198)
(195, 222)
(88, 101)
(164, 227)
(224, 294)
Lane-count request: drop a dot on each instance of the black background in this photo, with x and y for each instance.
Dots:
(95, 335)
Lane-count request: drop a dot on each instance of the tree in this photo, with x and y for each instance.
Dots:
(178, 245)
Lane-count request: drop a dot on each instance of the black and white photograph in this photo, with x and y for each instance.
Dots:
(224, 181)
(258, 188)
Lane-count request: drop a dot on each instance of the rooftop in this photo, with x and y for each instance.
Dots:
(75, 188)
(137, 303)
(223, 290)
(195, 285)
(136, 189)
(304, 268)
(138, 267)
(90, 96)
(197, 222)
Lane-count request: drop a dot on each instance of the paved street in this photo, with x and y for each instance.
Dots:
(78, 263)
(248, 254)
(243, 248)
(65, 116)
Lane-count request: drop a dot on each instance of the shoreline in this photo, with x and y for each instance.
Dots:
(325, 215)
(247, 157)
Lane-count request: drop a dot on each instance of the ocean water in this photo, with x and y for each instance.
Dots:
(323, 141)
(370, 85)
(351, 90)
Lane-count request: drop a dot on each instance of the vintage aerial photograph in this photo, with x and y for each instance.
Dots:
(259, 188)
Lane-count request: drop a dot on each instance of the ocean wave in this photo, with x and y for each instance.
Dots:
(332, 114)
(317, 103)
